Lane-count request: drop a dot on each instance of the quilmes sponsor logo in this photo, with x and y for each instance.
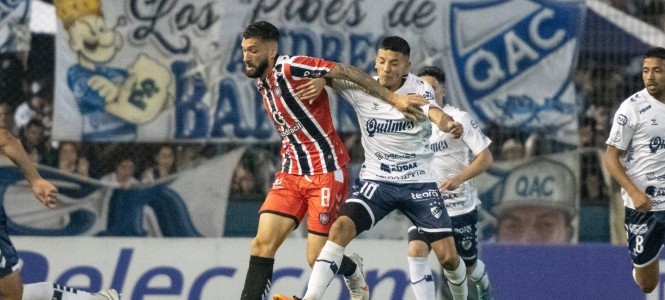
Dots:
(374, 126)
(622, 120)
(637, 228)
(656, 144)
(439, 146)
(488, 57)
(398, 167)
(381, 156)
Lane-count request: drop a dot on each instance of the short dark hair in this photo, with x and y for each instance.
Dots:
(433, 71)
(395, 43)
(262, 30)
(657, 52)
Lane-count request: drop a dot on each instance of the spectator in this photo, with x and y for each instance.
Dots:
(71, 160)
(512, 149)
(28, 110)
(243, 184)
(537, 205)
(164, 165)
(123, 176)
(188, 156)
(587, 132)
(34, 141)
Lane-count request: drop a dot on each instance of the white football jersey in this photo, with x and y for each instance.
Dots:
(452, 156)
(639, 129)
(396, 148)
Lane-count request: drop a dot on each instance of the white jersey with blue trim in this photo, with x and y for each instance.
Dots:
(639, 129)
(396, 148)
(452, 156)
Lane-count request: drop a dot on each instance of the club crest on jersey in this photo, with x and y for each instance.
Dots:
(324, 218)
(491, 66)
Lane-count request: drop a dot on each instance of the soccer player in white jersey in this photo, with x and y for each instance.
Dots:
(11, 284)
(456, 162)
(635, 158)
(396, 173)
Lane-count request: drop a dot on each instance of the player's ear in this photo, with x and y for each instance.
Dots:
(273, 49)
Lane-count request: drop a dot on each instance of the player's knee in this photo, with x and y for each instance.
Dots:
(264, 247)
(647, 286)
(418, 249)
(450, 262)
(343, 230)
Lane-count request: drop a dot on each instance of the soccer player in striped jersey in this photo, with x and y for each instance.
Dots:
(11, 284)
(313, 178)
(396, 173)
(456, 162)
(635, 157)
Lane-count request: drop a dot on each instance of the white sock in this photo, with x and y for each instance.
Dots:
(422, 281)
(324, 270)
(52, 291)
(479, 276)
(457, 281)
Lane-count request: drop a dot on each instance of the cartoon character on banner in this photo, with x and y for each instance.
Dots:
(112, 101)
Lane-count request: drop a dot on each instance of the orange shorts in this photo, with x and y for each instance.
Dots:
(320, 196)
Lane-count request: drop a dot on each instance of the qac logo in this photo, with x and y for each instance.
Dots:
(516, 73)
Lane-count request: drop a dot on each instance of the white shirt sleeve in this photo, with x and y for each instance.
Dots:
(623, 127)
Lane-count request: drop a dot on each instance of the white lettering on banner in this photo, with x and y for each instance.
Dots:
(139, 268)
(516, 50)
(534, 186)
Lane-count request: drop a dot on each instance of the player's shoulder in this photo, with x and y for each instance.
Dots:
(635, 103)
(636, 99)
(457, 113)
(415, 82)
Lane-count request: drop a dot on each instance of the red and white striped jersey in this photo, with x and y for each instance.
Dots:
(310, 144)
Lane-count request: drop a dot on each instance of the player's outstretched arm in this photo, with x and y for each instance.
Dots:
(480, 164)
(43, 190)
(445, 122)
(641, 201)
(409, 105)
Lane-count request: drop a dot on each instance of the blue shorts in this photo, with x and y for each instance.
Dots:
(8, 256)
(464, 232)
(372, 200)
(646, 234)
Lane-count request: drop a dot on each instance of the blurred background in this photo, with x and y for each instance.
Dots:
(189, 152)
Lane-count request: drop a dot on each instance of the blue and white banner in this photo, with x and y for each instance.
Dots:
(134, 70)
(190, 203)
(510, 63)
(14, 25)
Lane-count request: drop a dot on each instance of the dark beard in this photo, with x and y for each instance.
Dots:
(259, 70)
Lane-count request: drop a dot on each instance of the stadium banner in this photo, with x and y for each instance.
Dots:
(510, 63)
(202, 269)
(131, 70)
(190, 203)
(14, 26)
